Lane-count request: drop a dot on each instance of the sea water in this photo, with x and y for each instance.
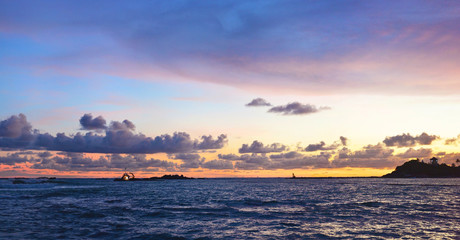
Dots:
(330, 208)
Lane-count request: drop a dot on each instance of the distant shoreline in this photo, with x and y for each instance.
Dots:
(204, 178)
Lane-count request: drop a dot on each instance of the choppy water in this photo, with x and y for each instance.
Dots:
(354, 208)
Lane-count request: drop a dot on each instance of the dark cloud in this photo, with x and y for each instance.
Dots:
(125, 125)
(296, 108)
(320, 146)
(288, 155)
(209, 143)
(425, 139)
(406, 140)
(44, 154)
(257, 102)
(228, 156)
(119, 138)
(258, 147)
(323, 147)
(78, 162)
(187, 157)
(15, 127)
(15, 131)
(416, 153)
(87, 122)
(14, 158)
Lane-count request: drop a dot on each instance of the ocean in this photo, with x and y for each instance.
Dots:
(265, 208)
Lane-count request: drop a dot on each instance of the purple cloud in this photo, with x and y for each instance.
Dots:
(119, 137)
(258, 102)
(258, 147)
(296, 108)
(89, 123)
(245, 44)
(407, 140)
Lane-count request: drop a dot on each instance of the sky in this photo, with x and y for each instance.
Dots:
(227, 88)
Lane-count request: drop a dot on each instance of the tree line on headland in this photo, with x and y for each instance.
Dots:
(419, 169)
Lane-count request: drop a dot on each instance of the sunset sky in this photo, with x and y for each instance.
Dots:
(227, 88)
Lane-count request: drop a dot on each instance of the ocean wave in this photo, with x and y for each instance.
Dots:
(231, 209)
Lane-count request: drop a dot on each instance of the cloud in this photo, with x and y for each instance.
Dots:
(245, 44)
(15, 131)
(217, 164)
(452, 141)
(119, 138)
(44, 154)
(373, 156)
(291, 160)
(209, 143)
(189, 160)
(192, 160)
(296, 108)
(15, 127)
(257, 102)
(301, 161)
(252, 162)
(416, 153)
(323, 147)
(14, 158)
(78, 162)
(289, 155)
(228, 156)
(369, 151)
(87, 122)
(258, 147)
(320, 146)
(406, 140)
(125, 125)
(71, 161)
(449, 157)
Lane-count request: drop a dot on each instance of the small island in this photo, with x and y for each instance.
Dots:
(164, 177)
(418, 169)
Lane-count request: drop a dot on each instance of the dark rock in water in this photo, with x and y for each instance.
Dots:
(49, 178)
(417, 169)
(18, 181)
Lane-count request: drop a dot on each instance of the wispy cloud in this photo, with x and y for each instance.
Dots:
(244, 44)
